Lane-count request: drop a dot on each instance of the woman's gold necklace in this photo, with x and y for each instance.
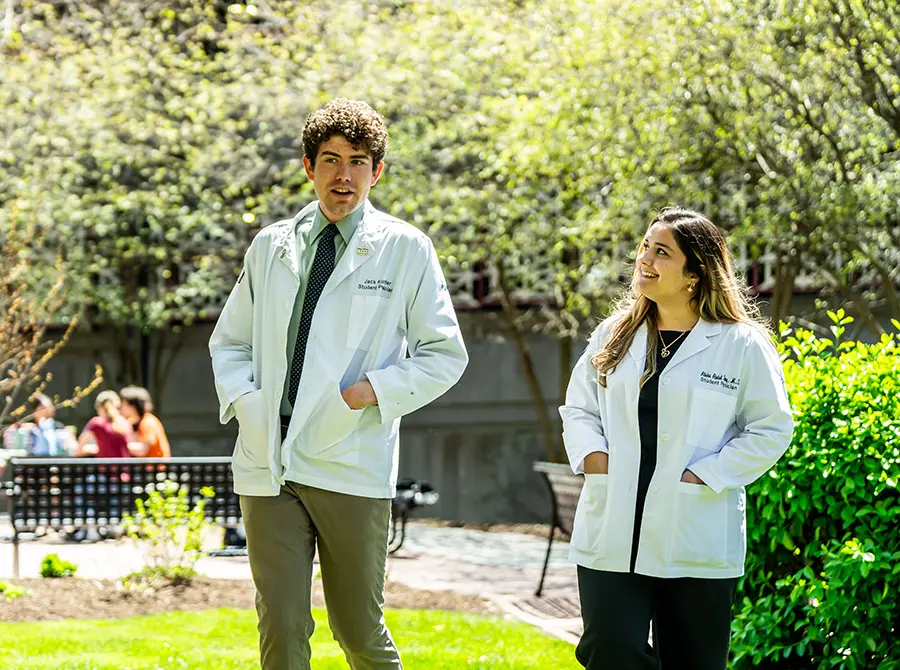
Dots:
(665, 347)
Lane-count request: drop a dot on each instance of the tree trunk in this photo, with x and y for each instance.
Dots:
(551, 443)
(565, 373)
(783, 291)
(565, 366)
(887, 280)
(126, 350)
(162, 365)
(855, 302)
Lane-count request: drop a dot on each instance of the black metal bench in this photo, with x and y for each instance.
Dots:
(565, 489)
(67, 493)
(410, 495)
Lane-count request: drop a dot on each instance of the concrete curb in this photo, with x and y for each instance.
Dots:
(567, 629)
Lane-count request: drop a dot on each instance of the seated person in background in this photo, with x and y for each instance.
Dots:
(150, 439)
(43, 437)
(106, 435)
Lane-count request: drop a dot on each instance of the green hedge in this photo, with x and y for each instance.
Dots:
(823, 564)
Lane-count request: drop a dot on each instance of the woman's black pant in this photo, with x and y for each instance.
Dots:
(691, 621)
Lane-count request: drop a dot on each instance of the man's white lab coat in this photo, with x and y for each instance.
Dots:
(386, 297)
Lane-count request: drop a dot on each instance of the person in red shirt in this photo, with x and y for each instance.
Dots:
(106, 435)
(149, 435)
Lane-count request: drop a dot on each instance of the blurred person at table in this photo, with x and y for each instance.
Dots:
(150, 440)
(44, 436)
(106, 435)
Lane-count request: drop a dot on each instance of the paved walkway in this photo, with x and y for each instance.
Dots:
(502, 567)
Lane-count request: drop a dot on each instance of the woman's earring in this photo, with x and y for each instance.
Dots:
(691, 288)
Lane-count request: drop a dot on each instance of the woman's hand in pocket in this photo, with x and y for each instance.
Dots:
(596, 463)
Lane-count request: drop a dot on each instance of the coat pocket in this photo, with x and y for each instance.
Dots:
(253, 432)
(587, 529)
(331, 433)
(363, 312)
(711, 415)
(700, 531)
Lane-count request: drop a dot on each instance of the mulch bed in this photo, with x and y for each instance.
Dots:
(74, 598)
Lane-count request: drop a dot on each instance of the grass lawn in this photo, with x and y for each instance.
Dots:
(225, 639)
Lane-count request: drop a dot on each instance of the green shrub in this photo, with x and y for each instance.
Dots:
(170, 530)
(10, 592)
(151, 577)
(823, 563)
(53, 566)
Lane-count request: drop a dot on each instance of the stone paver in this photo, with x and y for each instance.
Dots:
(479, 563)
(502, 567)
(485, 548)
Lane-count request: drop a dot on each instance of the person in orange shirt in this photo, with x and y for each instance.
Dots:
(137, 407)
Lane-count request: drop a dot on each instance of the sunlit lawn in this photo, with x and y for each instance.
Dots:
(225, 639)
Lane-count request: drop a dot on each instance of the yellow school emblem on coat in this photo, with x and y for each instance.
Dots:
(362, 251)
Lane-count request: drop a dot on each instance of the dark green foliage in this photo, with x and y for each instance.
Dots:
(823, 565)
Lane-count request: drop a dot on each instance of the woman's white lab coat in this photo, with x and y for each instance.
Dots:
(723, 413)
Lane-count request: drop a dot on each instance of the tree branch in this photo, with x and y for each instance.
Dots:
(518, 335)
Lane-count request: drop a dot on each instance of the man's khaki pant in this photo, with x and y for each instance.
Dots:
(351, 534)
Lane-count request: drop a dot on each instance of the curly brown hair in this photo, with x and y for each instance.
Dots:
(355, 120)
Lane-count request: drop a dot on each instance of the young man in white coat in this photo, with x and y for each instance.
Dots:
(676, 405)
(310, 355)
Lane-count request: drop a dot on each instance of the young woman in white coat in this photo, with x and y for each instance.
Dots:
(676, 405)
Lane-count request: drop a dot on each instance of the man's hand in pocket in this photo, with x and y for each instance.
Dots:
(596, 463)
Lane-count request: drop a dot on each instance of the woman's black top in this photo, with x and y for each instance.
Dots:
(648, 424)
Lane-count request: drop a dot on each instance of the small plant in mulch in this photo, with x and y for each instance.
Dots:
(53, 567)
(10, 592)
(150, 579)
(169, 526)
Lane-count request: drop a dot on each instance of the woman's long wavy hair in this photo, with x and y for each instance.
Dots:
(719, 295)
